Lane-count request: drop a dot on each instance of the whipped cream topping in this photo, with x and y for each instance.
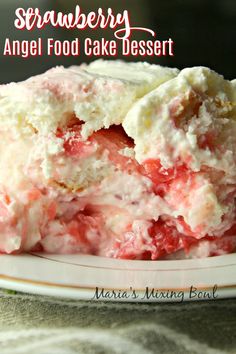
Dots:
(153, 121)
(144, 75)
(99, 100)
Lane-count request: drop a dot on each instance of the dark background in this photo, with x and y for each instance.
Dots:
(204, 32)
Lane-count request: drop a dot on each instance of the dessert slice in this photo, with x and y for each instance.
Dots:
(124, 160)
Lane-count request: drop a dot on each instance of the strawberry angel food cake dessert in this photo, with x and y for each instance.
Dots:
(115, 159)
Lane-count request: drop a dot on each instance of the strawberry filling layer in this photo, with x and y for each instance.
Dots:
(103, 220)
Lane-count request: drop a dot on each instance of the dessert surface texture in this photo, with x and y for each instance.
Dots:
(122, 160)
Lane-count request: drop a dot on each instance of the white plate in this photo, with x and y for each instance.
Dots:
(92, 277)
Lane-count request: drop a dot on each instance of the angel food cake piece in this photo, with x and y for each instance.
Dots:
(120, 160)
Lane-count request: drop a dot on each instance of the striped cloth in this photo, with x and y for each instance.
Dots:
(43, 325)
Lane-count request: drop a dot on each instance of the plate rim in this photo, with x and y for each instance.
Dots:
(86, 292)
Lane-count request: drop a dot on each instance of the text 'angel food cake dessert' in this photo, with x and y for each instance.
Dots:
(121, 160)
